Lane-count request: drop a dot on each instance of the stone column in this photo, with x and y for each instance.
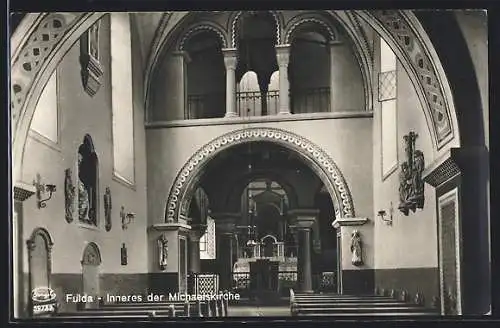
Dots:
(183, 60)
(224, 233)
(230, 61)
(334, 49)
(21, 193)
(194, 247)
(283, 58)
(304, 220)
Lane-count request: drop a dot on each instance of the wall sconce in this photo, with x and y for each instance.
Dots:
(41, 189)
(382, 214)
(126, 218)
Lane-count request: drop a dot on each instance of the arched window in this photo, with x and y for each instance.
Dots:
(248, 95)
(45, 122)
(387, 95)
(122, 100)
(88, 175)
(207, 241)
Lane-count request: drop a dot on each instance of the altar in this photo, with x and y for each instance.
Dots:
(264, 283)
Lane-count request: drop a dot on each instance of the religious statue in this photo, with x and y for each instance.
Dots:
(356, 248)
(123, 254)
(411, 185)
(83, 197)
(93, 35)
(69, 195)
(108, 205)
(162, 252)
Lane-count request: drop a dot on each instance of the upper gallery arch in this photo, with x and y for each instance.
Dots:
(237, 18)
(204, 26)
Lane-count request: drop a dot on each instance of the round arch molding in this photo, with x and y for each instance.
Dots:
(183, 188)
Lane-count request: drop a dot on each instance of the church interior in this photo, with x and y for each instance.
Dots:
(312, 162)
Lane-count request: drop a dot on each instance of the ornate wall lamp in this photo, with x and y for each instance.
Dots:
(126, 218)
(42, 189)
(382, 214)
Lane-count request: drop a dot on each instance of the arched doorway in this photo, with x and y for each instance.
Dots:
(39, 261)
(91, 260)
(249, 161)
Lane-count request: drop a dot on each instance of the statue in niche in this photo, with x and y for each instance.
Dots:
(356, 249)
(108, 205)
(69, 195)
(87, 182)
(162, 252)
(83, 197)
(411, 185)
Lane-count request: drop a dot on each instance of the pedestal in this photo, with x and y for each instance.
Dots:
(172, 277)
(355, 278)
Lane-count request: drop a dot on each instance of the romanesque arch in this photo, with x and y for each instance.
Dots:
(184, 185)
(203, 27)
(234, 26)
(312, 18)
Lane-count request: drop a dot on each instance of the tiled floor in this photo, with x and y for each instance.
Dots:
(258, 311)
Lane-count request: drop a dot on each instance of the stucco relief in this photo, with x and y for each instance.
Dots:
(320, 162)
(30, 59)
(414, 50)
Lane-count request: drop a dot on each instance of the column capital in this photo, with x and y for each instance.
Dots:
(334, 43)
(283, 54)
(230, 58)
(225, 223)
(303, 213)
(345, 222)
(197, 230)
(23, 191)
(454, 162)
(184, 54)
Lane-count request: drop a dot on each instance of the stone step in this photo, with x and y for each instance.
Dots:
(336, 296)
(368, 314)
(355, 304)
(360, 310)
(309, 300)
(124, 311)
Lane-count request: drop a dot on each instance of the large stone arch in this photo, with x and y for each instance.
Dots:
(394, 26)
(318, 160)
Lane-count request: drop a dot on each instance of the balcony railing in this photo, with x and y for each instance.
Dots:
(213, 105)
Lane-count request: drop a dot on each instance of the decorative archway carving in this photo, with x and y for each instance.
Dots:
(320, 162)
(404, 34)
(201, 27)
(239, 14)
(91, 255)
(316, 19)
